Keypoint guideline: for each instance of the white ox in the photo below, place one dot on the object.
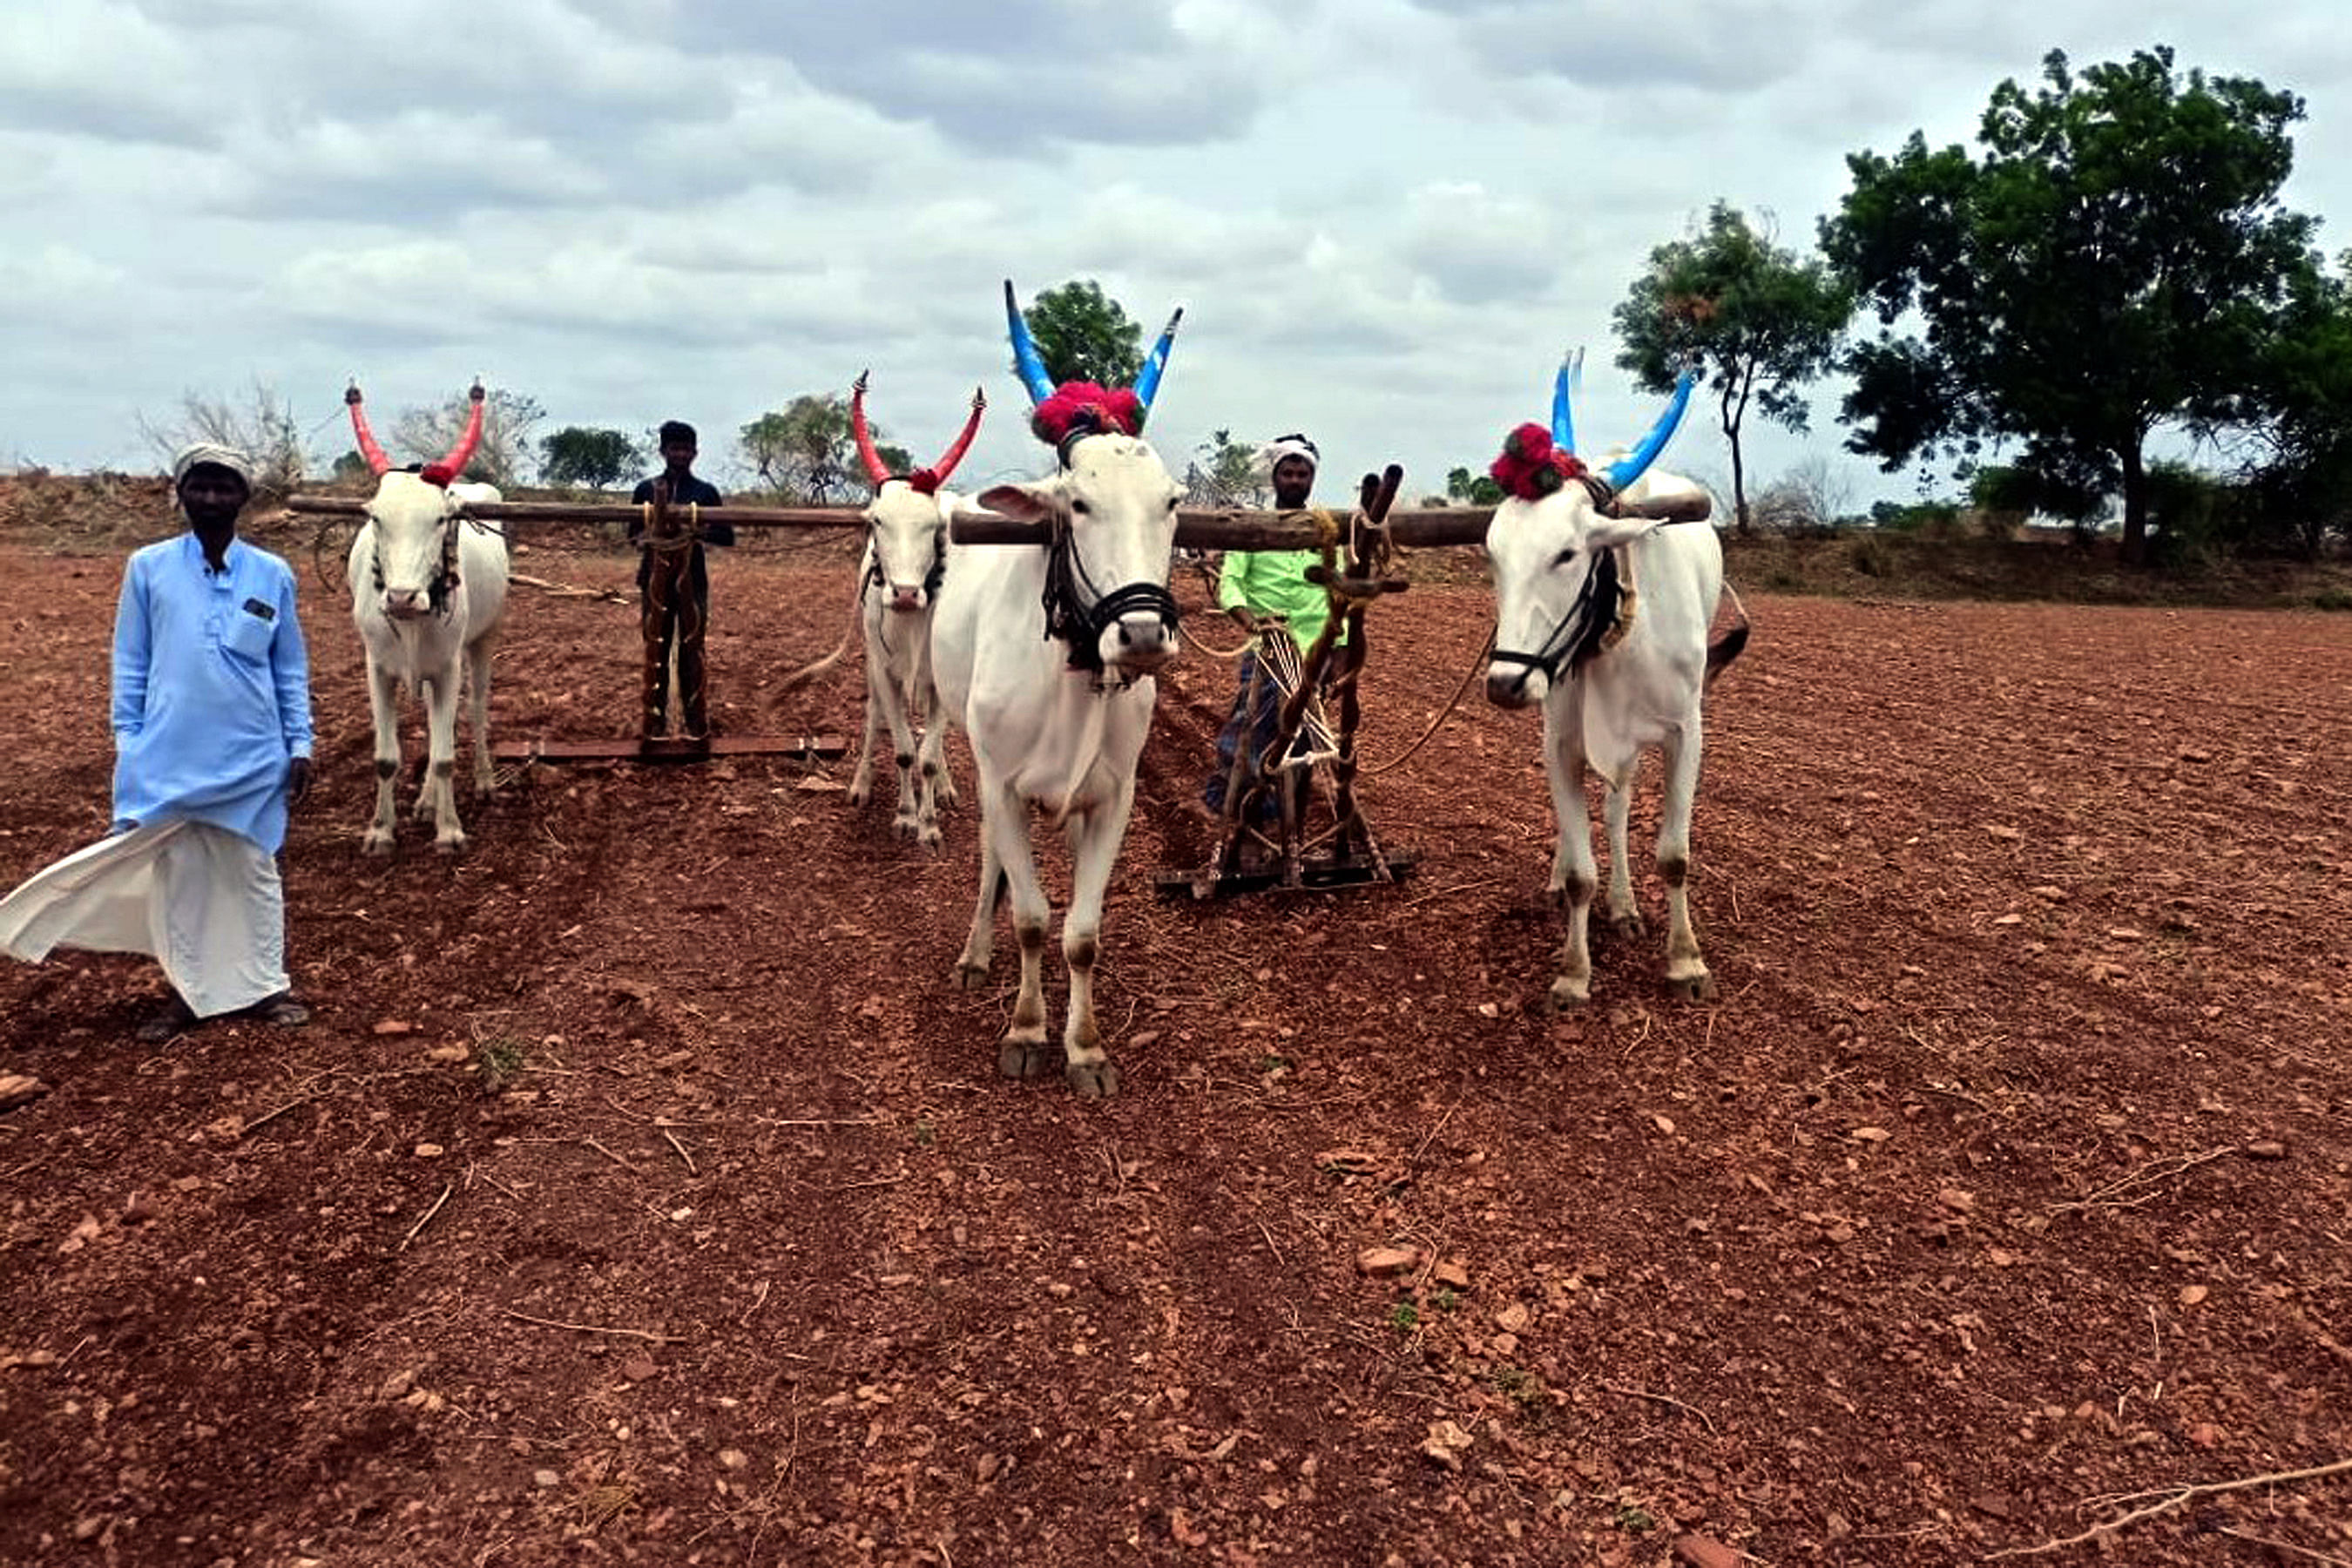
(1614, 678)
(1056, 700)
(898, 578)
(428, 592)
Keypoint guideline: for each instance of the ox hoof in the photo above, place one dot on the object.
(485, 789)
(906, 827)
(1628, 926)
(858, 795)
(970, 976)
(378, 843)
(1699, 987)
(1567, 996)
(1092, 1080)
(929, 837)
(1025, 1058)
(451, 844)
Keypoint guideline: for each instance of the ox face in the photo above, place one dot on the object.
(1113, 510)
(412, 519)
(907, 531)
(1542, 553)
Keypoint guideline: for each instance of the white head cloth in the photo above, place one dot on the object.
(1292, 445)
(214, 453)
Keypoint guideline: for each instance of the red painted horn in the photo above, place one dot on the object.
(450, 467)
(875, 470)
(378, 463)
(930, 479)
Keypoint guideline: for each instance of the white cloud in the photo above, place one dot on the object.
(1385, 218)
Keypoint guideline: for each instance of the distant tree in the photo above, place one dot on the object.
(1760, 324)
(804, 452)
(1082, 334)
(2301, 412)
(261, 424)
(1471, 489)
(595, 459)
(1226, 472)
(504, 457)
(2115, 263)
(350, 468)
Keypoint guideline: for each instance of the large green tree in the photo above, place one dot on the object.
(804, 454)
(2111, 264)
(596, 459)
(1082, 334)
(1760, 322)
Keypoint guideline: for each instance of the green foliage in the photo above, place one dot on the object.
(804, 452)
(1404, 1317)
(425, 434)
(1760, 324)
(1471, 489)
(596, 460)
(2332, 599)
(1226, 472)
(2302, 406)
(351, 468)
(1083, 334)
(2114, 262)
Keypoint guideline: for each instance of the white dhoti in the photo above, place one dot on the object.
(204, 902)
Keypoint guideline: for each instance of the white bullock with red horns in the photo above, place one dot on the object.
(428, 593)
(1044, 654)
(898, 579)
(1604, 602)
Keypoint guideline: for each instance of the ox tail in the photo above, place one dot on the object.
(1722, 650)
(807, 673)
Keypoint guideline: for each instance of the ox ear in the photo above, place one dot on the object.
(1035, 502)
(1609, 532)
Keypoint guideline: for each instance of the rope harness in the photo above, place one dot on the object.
(1078, 613)
(445, 577)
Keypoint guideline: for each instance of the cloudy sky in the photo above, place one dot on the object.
(1385, 218)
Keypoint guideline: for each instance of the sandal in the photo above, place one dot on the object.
(173, 1021)
(281, 1010)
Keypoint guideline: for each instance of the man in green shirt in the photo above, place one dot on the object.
(1256, 587)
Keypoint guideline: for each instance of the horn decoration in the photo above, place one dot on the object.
(1627, 469)
(378, 463)
(875, 470)
(1025, 358)
(929, 481)
(452, 465)
(1563, 391)
(1147, 384)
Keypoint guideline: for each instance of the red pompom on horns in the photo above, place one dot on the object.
(1079, 405)
(1531, 467)
(923, 481)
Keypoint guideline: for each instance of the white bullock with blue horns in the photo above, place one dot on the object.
(1045, 653)
(1604, 598)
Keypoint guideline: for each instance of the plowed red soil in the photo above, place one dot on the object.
(2011, 1172)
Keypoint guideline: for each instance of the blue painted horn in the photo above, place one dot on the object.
(1563, 389)
(1146, 385)
(1625, 471)
(1025, 358)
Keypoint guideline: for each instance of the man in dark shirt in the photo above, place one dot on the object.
(677, 485)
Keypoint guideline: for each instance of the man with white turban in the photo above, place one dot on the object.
(1263, 590)
(211, 715)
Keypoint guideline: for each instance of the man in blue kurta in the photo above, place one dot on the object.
(211, 716)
